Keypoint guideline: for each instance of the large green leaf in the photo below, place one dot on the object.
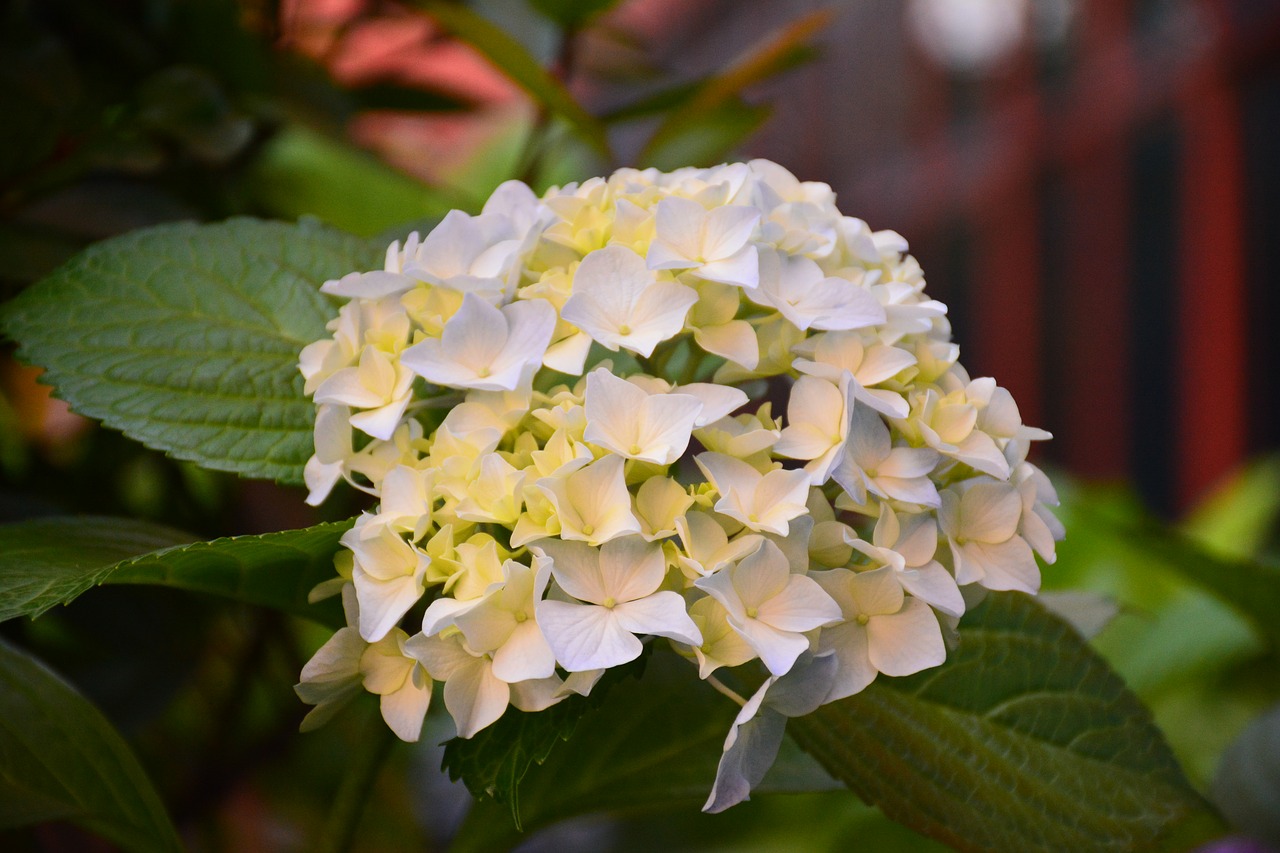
(51, 561)
(275, 570)
(511, 58)
(653, 742)
(494, 762)
(186, 337)
(1023, 740)
(61, 760)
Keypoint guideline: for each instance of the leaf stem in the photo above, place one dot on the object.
(353, 793)
(726, 690)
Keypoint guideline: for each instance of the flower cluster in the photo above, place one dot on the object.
(565, 407)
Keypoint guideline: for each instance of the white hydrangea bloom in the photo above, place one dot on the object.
(541, 533)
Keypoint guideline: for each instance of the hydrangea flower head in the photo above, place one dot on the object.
(610, 473)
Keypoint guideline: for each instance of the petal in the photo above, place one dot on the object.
(611, 404)
(742, 268)
(662, 614)
(761, 575)
(475, 698)
(778, 650)
(525, 655)
(384, 602)
(935, 585)
(726, 230)
(475, 334)
(630, 568)
(905, 642)
(718, 401)
(678, 228)
(801, 607)
(664, 425)
(989, 512)
(576, 567)
(405, 709)
(749, 752)
(876, 592)
(853, 666)
(1008, 565)
(735, 340)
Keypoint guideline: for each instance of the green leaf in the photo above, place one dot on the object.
(493, 763)
(572, 14)
(709, 138)
(652, 742)
(52, 561)
(275, 570)
(512, 59)
(186, 337)
(300, 172)
(1023, 740)
(61, 760)
(779, 53)
(1250, 586)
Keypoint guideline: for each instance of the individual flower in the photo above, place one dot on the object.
(620, 303)
(883, 630)
(618, 597)
(484, 347)
(769, 606)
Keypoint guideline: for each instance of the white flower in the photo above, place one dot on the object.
(713, 244)
(332, 677)
(406, 501)
(907, 546)
(501, 623)
(818, 416)
(707, 548)
(660, 505)
(762, 502)
(870, 463)
(618, 302)
(400, 682)
(721, 644)
(797, 288)
(623, 418)
(837, 354)
(333, 450)
(592, 504)
(884, 630)
(770, 606)
(981, 522)
(619, 583)
(484, 347)
(388, 576)
(474, 696)
(380, 384)
(468, 254)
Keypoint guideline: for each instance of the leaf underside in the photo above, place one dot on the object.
(1023, 740)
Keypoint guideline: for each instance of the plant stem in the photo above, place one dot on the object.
(726, 690)
(353, 793)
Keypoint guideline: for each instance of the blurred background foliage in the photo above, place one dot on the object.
(380, 116)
